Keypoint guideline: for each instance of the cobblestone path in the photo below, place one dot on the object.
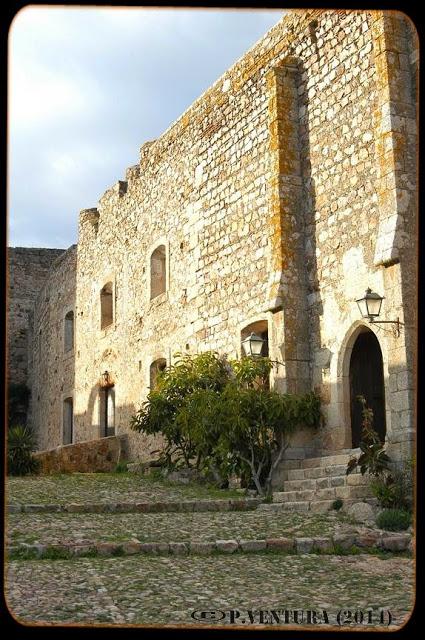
(55, 528)
(163, 590)
(104, 487)
(167, 589)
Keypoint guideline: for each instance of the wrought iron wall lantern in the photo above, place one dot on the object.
(370, 308)
(106, 380)
(253, 345)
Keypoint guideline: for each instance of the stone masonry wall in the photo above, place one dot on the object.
(28, 270)
(51, 367)
(271, 197)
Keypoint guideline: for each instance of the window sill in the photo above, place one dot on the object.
(106, 330)
(158, 300)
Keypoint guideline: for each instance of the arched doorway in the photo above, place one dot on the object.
(367, 380)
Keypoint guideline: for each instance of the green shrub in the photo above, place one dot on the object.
(220, 417)
(121, 466)
(394, 490)
(337, 504)
(394, 520)
(20, 445)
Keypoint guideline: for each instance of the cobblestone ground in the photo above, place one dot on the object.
(162, 590)
(104, 487)
(55, 528)
(165, 590)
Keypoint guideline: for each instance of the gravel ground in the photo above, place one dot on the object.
(55, 528)
(104, 487)
(163, 590)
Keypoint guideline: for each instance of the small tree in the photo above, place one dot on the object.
(220, 417)
(167, 409)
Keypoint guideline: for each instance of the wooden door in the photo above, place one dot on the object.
(367, 380)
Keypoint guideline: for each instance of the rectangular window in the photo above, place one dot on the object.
(68, 421)
(107, 412)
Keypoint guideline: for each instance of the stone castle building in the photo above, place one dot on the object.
(283, 193)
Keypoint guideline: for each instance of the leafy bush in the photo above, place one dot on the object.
(121, 466)
(373, 458)
(394, 520)
(394, 490)
(220, 417)
(20, 444)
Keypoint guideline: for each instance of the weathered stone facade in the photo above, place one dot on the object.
(28, 270)
(51, 363)
(278, 197)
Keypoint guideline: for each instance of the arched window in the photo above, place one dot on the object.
(106, 306)
(69, 331)
(156, 367)
(158, 272)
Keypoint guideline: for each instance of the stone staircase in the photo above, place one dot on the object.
(312, 484)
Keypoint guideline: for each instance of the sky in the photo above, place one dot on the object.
(87, 87)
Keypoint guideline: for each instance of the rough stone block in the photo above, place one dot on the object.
(75, 508)
(361, 512)
(226, 546)
(304, 545)
(131, 547)
(107, 548)
(368, 538)
(344, 540)
(252, 545)
(178, 548)
(296, 474)
(395, 543)
(280, 544)
(320, 506)
(202, 548)
(323, 544)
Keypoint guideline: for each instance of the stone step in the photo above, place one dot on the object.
(299, 485)
(312, 473)
(326, 482)
(286, 506)
(325, 493)
(326, 461)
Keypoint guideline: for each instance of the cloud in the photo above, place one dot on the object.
(88, 86)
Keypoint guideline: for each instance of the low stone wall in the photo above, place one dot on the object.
(372, 542)
(89, 456)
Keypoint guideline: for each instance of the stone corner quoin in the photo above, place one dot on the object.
(271, 204)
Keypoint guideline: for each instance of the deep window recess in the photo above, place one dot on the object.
(156, 367)
(106, 306)
(68, 421)
(69, 331)
(158, 272)
(107, 412)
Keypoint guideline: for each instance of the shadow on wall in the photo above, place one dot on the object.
(102, 419)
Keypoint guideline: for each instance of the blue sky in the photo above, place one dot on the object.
(88, 86)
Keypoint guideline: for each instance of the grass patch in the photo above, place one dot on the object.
(118, 552)
(23, 554)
